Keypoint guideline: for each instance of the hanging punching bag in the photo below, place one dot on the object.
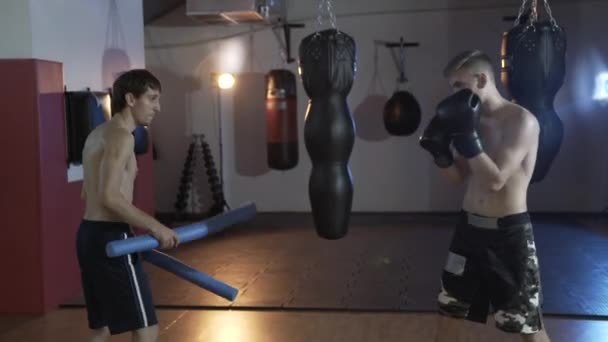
(533, 70)
(141, 139)
(328, 67)
(402, 114)
(281, 120)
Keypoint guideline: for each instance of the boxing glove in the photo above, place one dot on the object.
(436, 140)
(459, 114)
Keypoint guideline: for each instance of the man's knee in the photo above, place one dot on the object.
(525, 323)
(147, 334)
(450, 306)
(540, 336)
(100, 335)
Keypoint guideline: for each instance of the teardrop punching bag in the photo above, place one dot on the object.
(402, 114)
(533, 70)
(328, 67)
(281, 119)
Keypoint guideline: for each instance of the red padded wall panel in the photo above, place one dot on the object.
(61, 206)
(20, 255)
(40, 209)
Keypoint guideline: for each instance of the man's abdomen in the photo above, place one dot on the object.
(511, 199)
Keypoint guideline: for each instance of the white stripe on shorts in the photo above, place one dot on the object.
(141, 302)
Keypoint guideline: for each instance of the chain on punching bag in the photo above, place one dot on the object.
(281, 119)
(328, 67)
(533, 70)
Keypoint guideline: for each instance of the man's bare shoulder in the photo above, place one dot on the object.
(520, 118)
(117, 137)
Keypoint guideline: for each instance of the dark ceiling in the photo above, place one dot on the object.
(154, 9)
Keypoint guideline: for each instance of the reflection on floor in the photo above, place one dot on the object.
(295, 287)
(252, 326)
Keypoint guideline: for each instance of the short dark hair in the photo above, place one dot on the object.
(470, 59)
(136, 82)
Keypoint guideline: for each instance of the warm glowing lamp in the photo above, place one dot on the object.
(225, 81)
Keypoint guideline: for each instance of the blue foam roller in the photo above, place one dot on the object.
(185, 233)
(171, 264)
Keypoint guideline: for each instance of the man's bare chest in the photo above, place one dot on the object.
(131, 168)
(491, 139)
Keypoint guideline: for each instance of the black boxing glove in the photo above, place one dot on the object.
(459, 114)
(437, 141)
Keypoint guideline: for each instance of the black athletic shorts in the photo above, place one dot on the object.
(492, 262)
(116, 290)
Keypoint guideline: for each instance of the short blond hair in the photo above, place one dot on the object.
(473, 60)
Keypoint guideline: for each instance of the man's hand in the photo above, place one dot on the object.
(165, 236)
(436, 141)
(459, 114)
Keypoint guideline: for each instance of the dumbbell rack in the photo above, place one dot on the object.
(189, 194)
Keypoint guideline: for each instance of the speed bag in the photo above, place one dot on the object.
(402, 114)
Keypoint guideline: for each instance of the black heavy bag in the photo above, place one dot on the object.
(533, 71)
(402, 114)
(141, 139)
(281, 120)
(85, 110)
(328, 67)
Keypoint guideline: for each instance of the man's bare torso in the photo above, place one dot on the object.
(512, 198)
(92, 158)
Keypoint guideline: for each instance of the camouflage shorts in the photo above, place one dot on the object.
(493, 263)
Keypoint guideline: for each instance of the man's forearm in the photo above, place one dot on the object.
(486, 170)
(452, 174)
(457, 172)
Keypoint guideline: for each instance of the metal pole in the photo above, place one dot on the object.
(221, 147)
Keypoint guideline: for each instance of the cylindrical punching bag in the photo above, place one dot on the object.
(533, 70)
(281, 119)
(402, 114)
(328, 67)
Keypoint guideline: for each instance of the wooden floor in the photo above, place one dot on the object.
(224, 324)
(254, 326)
